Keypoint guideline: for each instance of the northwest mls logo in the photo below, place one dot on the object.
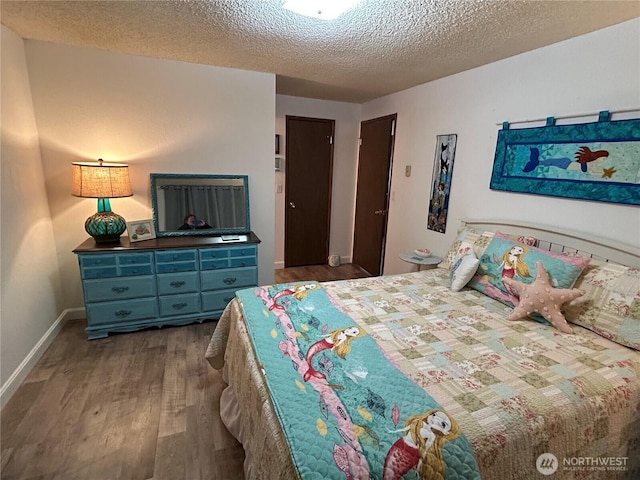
(547, 464)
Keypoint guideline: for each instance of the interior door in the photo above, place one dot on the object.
(372, 196)
(308, 173)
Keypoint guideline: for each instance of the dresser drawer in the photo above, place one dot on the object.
(129, 270)
(176, 267)
(209, 253)
(119, 288)
(99, 272)
(232, 277)
(170, 283)
(214, 264)
(212, 301)
(172, 261)
(119, 265)
(135, 258)
(250, 251)
(175, 256)
(97, 260)
(179, 304)
(121, 312)
(242, 262)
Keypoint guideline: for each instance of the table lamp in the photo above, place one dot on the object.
(102, 181)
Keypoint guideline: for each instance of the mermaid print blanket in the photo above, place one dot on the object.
(346, 410)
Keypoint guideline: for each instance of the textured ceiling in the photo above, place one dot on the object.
(377, 48)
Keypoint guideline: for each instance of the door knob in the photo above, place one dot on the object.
(380, 212)
(292, 205)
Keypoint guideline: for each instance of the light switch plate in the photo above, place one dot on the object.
(407, 171)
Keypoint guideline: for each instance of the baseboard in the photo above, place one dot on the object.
(279, 265)
(20, 373)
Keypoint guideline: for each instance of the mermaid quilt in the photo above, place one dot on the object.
(345, 409)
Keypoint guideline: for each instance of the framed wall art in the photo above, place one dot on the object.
(441, 182)
(597, 161)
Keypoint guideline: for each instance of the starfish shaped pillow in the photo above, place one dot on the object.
(540, 296)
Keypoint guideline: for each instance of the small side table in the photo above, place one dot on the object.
(431, 261)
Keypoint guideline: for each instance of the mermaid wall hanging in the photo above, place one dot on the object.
(597, 161)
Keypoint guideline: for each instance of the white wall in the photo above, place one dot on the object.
(157, 116)
(345, 154)
(31, 297)
(597, 71)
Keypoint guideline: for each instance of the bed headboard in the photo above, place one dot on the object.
(560, 241)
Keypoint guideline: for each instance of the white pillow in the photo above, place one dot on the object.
(462, 271)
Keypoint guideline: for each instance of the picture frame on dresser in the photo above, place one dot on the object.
(139, 230)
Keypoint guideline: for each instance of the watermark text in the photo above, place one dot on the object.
(548, 464)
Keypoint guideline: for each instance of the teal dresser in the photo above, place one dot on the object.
(164, 281)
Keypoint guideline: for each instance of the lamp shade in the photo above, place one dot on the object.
(101, 180)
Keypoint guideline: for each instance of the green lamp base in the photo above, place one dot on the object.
(105, 226)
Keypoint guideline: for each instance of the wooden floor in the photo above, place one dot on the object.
(321, 273)
(137, 406)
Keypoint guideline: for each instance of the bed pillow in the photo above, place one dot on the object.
(471, 240)
(462, 271)
(610, 306)
(506, 257)
(542, 299)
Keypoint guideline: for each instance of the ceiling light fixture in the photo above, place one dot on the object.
(322, 9)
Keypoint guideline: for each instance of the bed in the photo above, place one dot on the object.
(512, 398)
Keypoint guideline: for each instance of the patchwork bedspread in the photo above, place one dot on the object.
(516, 389)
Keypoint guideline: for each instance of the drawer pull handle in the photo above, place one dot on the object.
(177, 284)
(178, 306)
(228, 299)
(123, 313)
(230, 280)
(119, 289)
